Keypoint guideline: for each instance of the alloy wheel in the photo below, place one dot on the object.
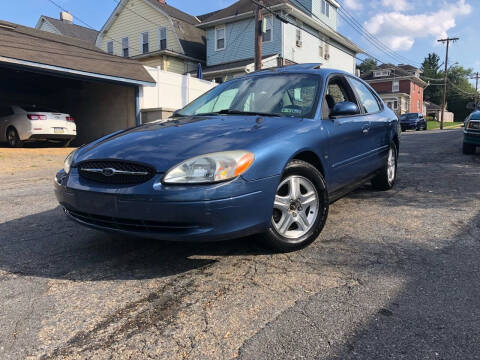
(295, 207)
(391, 165)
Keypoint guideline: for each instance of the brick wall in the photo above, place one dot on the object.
(405, 86)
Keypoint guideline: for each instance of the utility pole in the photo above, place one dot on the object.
(444, 98)
(476, 77)
(258, 34)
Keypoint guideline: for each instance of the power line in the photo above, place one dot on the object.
(87, 25)
(373, 39)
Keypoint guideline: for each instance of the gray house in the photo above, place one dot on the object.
(65, 26)
(311, 36)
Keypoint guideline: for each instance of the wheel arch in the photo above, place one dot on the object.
(310, 157)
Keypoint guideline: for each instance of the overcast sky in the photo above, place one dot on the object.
(410, 27)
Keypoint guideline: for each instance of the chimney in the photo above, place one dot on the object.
(66, 17)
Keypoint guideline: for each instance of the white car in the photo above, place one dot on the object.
(31, 123)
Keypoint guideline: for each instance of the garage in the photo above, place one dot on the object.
(100, 91)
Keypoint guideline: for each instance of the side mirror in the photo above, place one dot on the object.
(345, 108)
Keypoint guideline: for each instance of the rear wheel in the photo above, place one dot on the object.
(300, 208)
(388, 174)
(469, 148)
(13, 138)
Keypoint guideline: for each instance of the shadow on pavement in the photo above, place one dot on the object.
(423, 304)
(49, 245)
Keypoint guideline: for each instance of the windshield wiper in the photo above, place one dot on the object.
(240, 112)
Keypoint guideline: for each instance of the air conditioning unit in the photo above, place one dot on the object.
(299, 43)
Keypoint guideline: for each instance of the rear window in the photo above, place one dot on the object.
(33, 108)
(408, 116)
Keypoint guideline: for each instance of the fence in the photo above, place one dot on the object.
(173, 91)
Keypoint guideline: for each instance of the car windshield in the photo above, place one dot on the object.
(408, 116)
(475, 116)
(292, 95)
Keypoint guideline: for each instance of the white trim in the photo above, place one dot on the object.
(73, 71)
(224, 37)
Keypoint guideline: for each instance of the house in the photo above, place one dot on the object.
(65, 26)
(99, 90)
(400, 87)
(154, 33)
(310, 37)
(434, 111)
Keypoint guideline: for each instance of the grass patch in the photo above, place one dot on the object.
(432, 125)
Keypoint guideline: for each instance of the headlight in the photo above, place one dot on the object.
(68, 161)
(210, 168)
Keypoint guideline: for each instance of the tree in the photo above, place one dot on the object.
(459, 90)
(431, 68)
(367, 65)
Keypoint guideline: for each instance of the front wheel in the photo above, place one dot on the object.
(388, 173)
(300, 208)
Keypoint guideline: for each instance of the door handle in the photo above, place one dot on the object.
(365, 129)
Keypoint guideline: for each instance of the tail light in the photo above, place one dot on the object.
(37, 117)
(69, 118)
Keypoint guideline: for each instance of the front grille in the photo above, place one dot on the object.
(115, 172)
(128, 224)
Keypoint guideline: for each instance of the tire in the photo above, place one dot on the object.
(385, 180)
(13, 139)
(298, 216)
(469, 149)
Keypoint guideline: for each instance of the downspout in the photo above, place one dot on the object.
(138, 113)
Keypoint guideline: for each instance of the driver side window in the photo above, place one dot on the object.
(338, 90)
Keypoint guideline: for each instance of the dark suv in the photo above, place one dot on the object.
(413, 121)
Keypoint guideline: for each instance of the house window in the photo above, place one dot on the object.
(162, 35)
(220, 38)
(320, 51)
(145, 47)
(125, 51)
(418, 105)
(381, 73)
(327, 7)
(324, 6)
(395, 105)
(268, 28)
(110, 47)
(395, 86)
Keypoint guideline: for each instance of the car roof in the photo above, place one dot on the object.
(309, 68)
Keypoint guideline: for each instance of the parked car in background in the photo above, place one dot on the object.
(19, 124)
(412, 121)
(263, 154)
(471, 133)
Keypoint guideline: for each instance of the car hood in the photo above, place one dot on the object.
(163, 144)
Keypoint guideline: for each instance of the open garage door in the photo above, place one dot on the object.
(99, 108)
(100, 91)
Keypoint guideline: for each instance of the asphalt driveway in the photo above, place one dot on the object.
(393, 275)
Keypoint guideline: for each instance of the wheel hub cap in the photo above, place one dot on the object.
(295, 208)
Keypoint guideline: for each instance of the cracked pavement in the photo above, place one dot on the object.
(393, 275)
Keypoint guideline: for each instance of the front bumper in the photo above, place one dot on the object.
(171, 213)
(408, 126)
(470, 137)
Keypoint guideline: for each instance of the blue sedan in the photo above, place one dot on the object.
(263, 154)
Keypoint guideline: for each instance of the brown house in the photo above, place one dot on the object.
(399, 86)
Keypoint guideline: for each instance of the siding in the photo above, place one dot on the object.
(310, 52)
(315, 7)
(129, 24)
(240, 42)
(46, 26)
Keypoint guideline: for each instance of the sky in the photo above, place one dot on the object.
(408, 27)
